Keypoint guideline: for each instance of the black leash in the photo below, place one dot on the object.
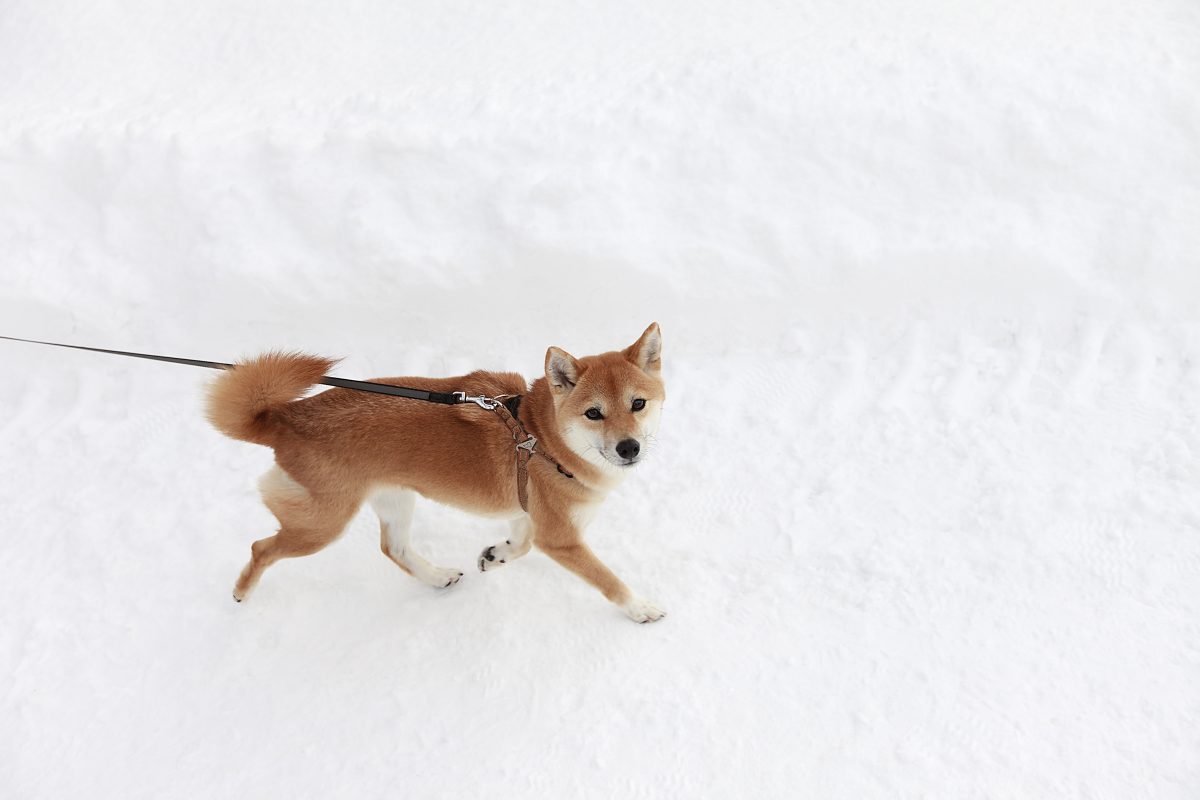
(446, 398)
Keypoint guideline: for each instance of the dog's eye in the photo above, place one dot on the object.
(593, 413)
(639, 404)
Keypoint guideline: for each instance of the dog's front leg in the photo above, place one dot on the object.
(562, 542)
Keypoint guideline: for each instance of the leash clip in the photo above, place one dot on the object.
(479, 400)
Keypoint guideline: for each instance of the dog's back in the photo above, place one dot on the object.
(344, 442)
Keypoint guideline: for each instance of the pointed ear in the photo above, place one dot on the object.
(646, 352)
(562, 370)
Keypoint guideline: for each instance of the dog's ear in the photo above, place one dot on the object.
(646, 352)
(562, 370)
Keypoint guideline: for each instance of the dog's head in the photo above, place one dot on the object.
(608, 406)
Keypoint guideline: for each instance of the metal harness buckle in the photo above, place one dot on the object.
(483, 402)
(528, 444)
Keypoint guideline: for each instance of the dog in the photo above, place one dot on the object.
(340, 448)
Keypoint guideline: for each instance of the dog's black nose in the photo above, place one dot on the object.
(628, 448)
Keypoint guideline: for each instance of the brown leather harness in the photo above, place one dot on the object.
(507, 407)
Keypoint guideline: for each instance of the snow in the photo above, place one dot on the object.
(924, 508)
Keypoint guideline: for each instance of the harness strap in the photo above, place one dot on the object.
(526, 446)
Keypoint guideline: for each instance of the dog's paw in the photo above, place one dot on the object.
(439, 577)
(452, 576)
(492, 557)
(640, 610)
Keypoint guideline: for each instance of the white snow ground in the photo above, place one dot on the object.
(924, 510)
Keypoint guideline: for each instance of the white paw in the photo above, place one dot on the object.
(489, 559)
(640, 610)
(439, 577)
(497, 555)
(448, 577)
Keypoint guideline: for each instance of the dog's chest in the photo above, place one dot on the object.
(582, 514)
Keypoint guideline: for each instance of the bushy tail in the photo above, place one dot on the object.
(242, 402)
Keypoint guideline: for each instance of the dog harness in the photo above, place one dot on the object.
(508, 408)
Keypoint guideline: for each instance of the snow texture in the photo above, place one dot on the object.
(924, 507)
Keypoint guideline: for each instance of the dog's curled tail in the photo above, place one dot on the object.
(242, 402)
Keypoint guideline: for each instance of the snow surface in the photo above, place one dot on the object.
(925, 504)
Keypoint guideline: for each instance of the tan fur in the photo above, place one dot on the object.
(337, 448)
(241, 402)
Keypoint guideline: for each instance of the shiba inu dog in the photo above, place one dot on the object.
(340, 448)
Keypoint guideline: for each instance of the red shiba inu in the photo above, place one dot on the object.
(339, 448)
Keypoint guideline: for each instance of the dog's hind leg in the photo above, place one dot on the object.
(287, 543)
(517, 545)
(395, 510)
(307, 525)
